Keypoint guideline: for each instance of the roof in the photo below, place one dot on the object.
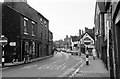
(90, 34)
(25, 9)
(74, 38)
(101, 5)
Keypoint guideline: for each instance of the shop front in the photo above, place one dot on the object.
(28, 47)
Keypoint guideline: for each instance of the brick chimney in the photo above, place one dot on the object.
(15, 1)
(79, 32)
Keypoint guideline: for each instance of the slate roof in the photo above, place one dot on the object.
(74, 38)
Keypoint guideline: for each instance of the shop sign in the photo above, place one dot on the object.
(12, 43)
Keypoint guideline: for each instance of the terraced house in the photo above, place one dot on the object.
(26, 29)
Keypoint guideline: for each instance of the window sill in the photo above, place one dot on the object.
(33, 35)
(25, 33)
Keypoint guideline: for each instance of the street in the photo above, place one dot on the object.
(55, 66)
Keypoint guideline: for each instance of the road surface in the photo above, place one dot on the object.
(55, 66)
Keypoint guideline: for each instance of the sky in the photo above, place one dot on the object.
(66, 17)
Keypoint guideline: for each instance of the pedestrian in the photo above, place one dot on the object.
(14, 57)
(94, 53)
(87, 57)
(26, 57)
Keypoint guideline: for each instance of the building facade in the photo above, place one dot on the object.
(50, 48)
(26, 29)
(0, 28)
(87, 41)
(108, 20)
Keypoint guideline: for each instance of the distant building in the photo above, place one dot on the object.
(87, 41)
(75, 42)
(67, 42)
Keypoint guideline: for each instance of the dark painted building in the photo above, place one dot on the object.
(26, 29)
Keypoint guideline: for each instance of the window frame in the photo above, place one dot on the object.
(25, 21)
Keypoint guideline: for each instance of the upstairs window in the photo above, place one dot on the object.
(25, 25)
(45, 23)
(33, 28)
(41, 20)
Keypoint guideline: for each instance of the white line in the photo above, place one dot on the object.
(77, 69)
(27, 67)
(75, 65)
(42, 67)
(53, 67)
(46, 66)
(63, 67)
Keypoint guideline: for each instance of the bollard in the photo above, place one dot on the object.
(87, 59)
(3, 60)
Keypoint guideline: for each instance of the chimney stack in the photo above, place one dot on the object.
(79, 32)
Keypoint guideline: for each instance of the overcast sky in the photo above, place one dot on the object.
(66, 17)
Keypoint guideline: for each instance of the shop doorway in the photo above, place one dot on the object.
(22, 50)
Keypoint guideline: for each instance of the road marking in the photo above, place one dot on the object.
(53, 67)
(42, 66)
(76, 64)
(60, 66)
(27, 67)
(63, 67)
(78, 69)
(47, 65)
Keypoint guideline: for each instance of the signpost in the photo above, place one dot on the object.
(3, 42)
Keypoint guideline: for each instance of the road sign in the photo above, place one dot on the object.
(3, 40)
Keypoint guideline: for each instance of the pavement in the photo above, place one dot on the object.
(20, 63)
(95, 70)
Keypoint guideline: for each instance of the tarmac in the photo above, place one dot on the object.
(95, 70)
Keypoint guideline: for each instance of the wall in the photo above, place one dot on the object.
(0, 30)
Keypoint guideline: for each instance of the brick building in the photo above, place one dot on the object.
(26, 29)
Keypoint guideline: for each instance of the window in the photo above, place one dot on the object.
(33, 28)
(45, 33)
(45, 23)
(40, 19)
(25, 25)
(41, 33)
